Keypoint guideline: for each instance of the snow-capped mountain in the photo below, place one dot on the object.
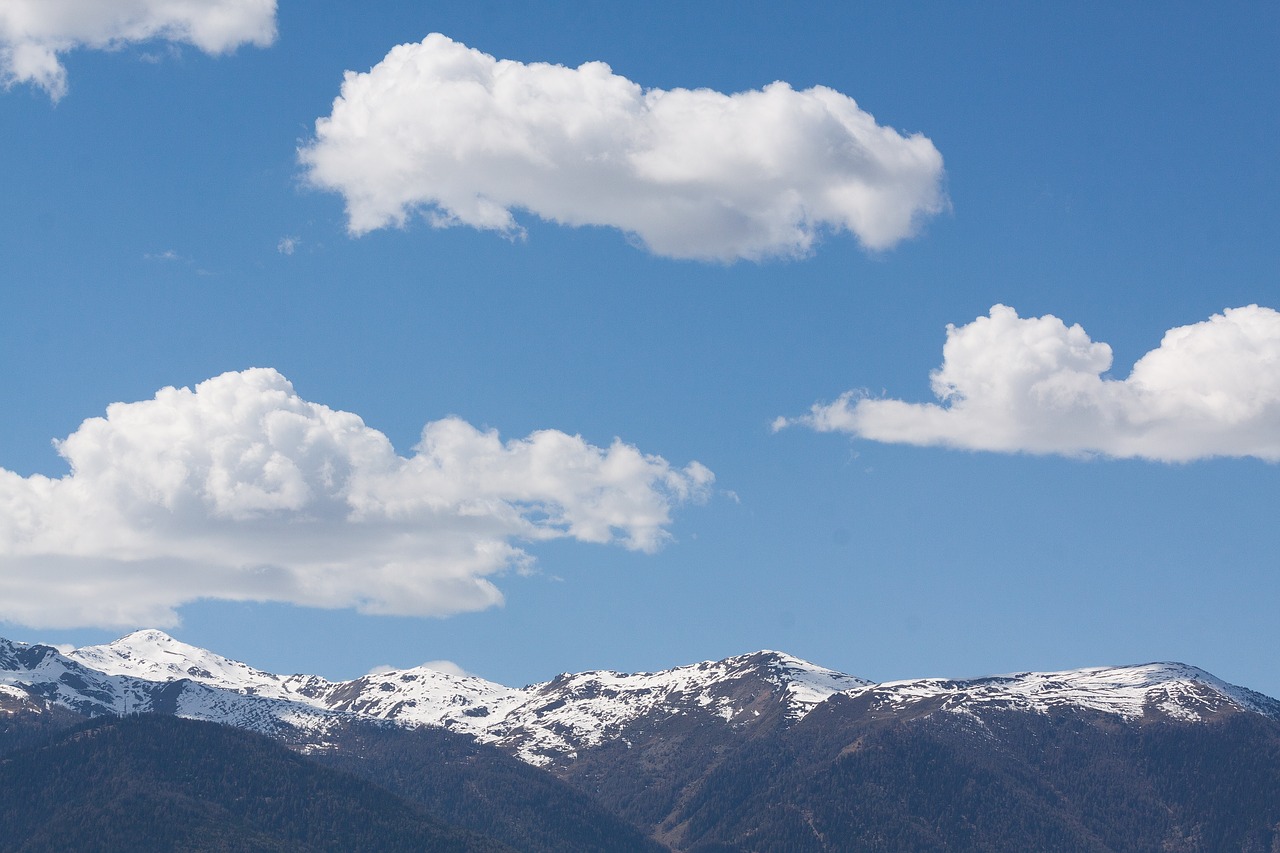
(551, 723)
(150, 671)
(755, 752)
(1172, 690)
(572, 712)
(417, 696)
(166, 678)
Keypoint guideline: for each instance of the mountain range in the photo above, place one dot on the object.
(761, 751)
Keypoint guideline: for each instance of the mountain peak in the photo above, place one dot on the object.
(145, 635)
(805, 684)
(153, 655)
(1169, 689)
(552, 722)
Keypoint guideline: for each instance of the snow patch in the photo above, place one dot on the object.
(149, 671)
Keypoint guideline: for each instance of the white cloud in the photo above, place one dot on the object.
(440, 128)
(1036, 385)
(241, 490)
(287, 245)
(33, 33)
(448, 667)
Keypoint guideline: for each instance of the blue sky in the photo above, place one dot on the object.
(1115, 168)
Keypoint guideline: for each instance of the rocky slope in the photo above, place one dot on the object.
(756, 752)
(553, 722)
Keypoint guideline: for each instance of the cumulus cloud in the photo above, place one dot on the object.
(33, 33)
(467, 139)
(239, 489)
(448, 667)
(1036, 385)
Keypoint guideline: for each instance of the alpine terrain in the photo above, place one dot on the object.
(762, 751)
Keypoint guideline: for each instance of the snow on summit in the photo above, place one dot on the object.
(580, 710)
(155, 656)
(149, 671)
(418, 696)
(1174, 689)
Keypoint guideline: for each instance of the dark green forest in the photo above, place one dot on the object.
(160, 783)
(476, 786)
(840, 779)
(1074, 783)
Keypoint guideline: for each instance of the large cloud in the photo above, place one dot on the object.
(241, 490)
(34, 32)
(448, 130)
(1036, 386)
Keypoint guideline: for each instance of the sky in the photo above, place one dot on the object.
(531, 338)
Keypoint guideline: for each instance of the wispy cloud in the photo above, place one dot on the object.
(166, 255)
(448, 667)
(34, 33)
(239, 489)
(1036, 385)
(468, 139)
(287, 245)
